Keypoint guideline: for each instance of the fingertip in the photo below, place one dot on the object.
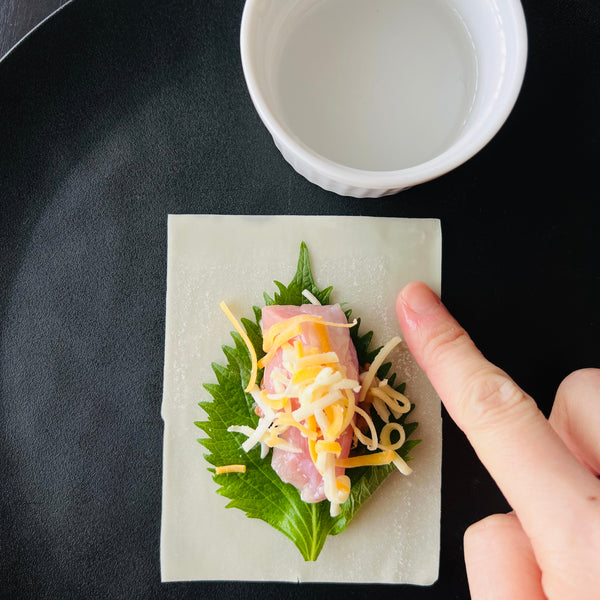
(500, 561)
(587, 378)
(575, 416)
(485, 531)
(577, 385)
(418, 297)
(414, 302)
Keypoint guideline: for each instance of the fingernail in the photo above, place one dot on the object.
(419, 298)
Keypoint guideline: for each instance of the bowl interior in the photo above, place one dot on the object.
(384, 86)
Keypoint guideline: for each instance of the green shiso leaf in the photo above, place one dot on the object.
(303, 280)
(259, 492)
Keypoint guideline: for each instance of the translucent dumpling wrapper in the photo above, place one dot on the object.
(395, 536)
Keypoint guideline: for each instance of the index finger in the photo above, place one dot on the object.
(540, 478)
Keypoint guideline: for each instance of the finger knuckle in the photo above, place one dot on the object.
(489, 398)
(444, 342)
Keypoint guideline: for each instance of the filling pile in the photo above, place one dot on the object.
(314, 402)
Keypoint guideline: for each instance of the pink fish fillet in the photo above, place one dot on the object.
(298, 468)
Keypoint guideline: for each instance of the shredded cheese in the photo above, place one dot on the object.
(278, 341)
(326, 403)
(282, 332)
(254, 370)
(367, 460)
(230, 469)
(385, 442)
(372, 372)
(401, 465)
(311, 297)
(332, 447)
(371, 444)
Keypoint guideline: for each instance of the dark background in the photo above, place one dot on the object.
(115, 113)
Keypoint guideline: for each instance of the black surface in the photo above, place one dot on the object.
(19, 17)
(117, 112)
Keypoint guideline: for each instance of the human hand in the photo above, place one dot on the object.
(549, 546)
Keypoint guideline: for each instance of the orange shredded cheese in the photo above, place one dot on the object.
(326, 404)
(367, 460)
(246, 339)
(230, 469)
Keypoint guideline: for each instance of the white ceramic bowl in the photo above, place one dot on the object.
(366, 98)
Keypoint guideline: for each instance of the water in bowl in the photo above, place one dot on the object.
(377, 84)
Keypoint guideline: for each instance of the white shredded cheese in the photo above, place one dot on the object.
(311, 297)
(372, 372)
(326, 406)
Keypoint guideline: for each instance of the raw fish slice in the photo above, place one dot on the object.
(298, 468)
(339, 337)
